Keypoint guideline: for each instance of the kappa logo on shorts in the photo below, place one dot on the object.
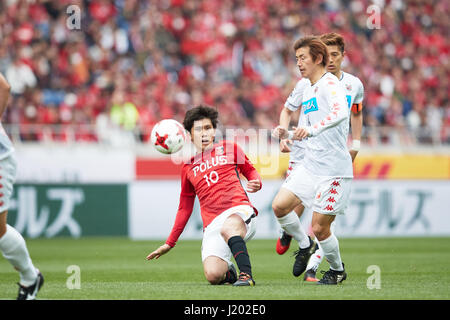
(335, 183)
(329, 208)
(331, 199)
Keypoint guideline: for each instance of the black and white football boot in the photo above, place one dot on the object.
(29, 293)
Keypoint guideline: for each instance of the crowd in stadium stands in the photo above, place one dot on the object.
(131, 63)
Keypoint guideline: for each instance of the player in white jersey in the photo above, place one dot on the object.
(354, 94)
(12, 244)
(295, 148)
(322, 181)
(354, 91)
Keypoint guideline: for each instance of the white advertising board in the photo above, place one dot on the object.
(74, 164)
(376, 208)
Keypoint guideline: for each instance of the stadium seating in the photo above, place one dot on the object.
(165, 56)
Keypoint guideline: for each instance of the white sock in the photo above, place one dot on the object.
(291, 224)
(14, 249)
(330, 247)
(316, 259)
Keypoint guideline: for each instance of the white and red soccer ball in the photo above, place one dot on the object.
(168, 136)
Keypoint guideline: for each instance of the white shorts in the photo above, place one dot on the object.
(323, 194)
(8, 167)
(291, 168)
(213, 243)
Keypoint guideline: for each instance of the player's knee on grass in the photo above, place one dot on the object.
(214, 269)
(214, 276)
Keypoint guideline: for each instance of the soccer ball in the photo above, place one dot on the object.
(168, 136)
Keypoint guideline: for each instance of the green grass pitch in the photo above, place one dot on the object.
(115, 268)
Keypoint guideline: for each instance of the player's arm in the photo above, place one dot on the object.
(292, 104)
(245, 166)
(356, 120)
(295, 116)
(285, 119)
(5, 88)
(187, 199)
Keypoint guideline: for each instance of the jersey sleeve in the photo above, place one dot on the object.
(335, 97)
(357, 103)
(187, 189)
(294, 101)
(187, 199)
(245, 166)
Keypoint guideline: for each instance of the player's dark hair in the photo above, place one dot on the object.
(198, 113)
(333, 39)
(316, 48)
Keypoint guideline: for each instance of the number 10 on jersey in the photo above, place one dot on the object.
(213, 177)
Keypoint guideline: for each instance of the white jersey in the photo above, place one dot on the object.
(326, 116)
(293, 103)
(354, 93)
(353, 87)
(6, 146)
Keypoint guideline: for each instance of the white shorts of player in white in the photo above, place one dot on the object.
(306, 217)
(325, 195)
(291, 168)
(8, 167)
(213, 243)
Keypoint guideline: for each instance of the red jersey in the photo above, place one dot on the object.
(213, 176)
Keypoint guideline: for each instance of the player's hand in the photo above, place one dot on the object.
(353, 154)
(300, 133)
(280, 133)
(159, 252)
(284, 145)
(253, 186)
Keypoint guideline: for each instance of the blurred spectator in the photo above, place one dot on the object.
(165, 56)
(20, 76)
(124, 114)
(434, 120)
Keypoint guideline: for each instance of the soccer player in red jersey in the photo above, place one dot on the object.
(227, 213)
